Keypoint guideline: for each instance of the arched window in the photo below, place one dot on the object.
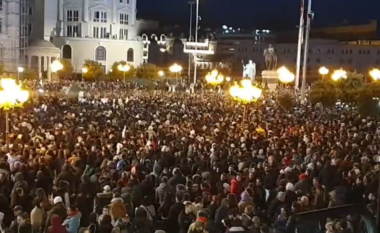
(100, 54)
(66, 52)
(130, 55)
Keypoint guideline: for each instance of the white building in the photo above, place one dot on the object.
(102, 30)
(13, 33)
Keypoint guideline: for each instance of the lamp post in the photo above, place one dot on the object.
(56, 66)
(339, 74)
(245, 93)
(196, 40)
(214, 77)
(19, 70)
(175, 68)
(323, 71)
(190, 29)
(84, 71)
(11, 96)
(123, 68)
(375, 74)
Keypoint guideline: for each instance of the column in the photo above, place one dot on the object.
(48, 59)
(29, 61)
(60, 10)
(85, 11)
(39, 67)
(114, 11)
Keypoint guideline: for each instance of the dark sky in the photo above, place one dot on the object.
(259, 13)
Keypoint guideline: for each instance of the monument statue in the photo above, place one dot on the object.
(249, 70)
(270, 58)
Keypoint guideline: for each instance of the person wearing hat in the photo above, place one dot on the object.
(17, 210)
(58, 209)
(103, 199)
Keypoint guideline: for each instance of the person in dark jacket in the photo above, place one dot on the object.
(174, 212)
(58, 209)
(177, 178)
(105, 225)
(186, 218)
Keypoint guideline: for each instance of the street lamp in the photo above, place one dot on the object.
(284, 75)
(245, 93)
(161, 73)
(56, 66)
(11, 96)
(323, 71)
(175, 68)
(214, 77)
(228, 79)
(123, 68)
(339, 74)
(19, 70)
(375, 74)
(84, 71)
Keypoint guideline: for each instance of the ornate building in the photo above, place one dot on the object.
(102, 30)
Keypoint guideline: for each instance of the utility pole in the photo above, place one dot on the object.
(306, 51)
(300, 42)
(196, 41)
(191, 25)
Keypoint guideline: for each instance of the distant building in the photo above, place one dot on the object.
(13, 33)
(79, 30)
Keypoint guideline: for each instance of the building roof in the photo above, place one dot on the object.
(41, 43)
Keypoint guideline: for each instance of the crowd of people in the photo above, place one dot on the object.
(127, 160)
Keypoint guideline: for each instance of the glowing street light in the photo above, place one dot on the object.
(19, 70)
(375, 74)
(175, 68)
(323, 71)
(84, 71)
(161, 73)
(339, 74)
(214, 77)
(228, 79)
(56, 66)
(123, 68)
(284, 75)
(11, 96)
(245, 93)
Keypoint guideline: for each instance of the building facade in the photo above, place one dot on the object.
(102, 30)
(13, 33)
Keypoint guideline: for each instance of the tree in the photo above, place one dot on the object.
(324, 92)
(286, 100)
(67, 70)
(95, 70)
(368, 99)
(149, 71)
(348, 89)
(29, 74)
(117, 74)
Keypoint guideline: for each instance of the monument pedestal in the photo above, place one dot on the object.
(270, 77)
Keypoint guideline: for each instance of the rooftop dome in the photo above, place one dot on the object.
(41, 43)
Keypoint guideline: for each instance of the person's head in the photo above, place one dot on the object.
(284, 212)
(238, 177)
(22, 217)
(38, 202)
(106, 220)
(105, 211)
(248, 209)
(72, 209)
(17, 210)
(19, 192)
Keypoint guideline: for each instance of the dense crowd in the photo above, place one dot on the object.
(124, 159)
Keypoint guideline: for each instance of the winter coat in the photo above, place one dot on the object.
(56, 225)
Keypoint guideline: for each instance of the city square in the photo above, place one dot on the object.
(129, 117)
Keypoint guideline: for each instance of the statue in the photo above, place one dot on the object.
(249, 70)
(270, 58)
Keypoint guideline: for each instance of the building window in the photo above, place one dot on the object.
(130, 55)
(123, 34)
(100, 16)
(103, 17)
(360, 51)
(1, 5)
(349, 61)
(103, 32)
(72, 16)
(124, 19)
(1, 26)
(318, 60)
(72, 31)
(95, 32)
(100, 53)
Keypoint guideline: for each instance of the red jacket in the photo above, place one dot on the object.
(236, 187)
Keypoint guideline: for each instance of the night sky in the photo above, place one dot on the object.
(259, 13)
